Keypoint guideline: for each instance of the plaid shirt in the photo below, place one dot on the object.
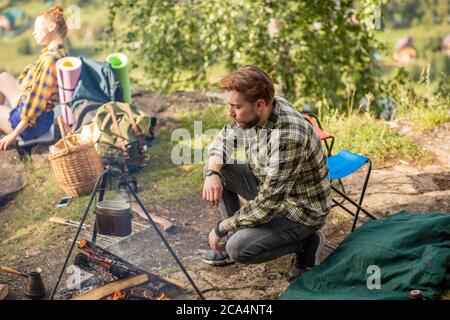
(38, 84)
(294, 174)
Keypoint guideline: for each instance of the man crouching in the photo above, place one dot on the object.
(284, 179)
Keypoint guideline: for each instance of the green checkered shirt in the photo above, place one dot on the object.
(286, 155)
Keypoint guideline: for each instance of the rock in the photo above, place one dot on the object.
(32, 252)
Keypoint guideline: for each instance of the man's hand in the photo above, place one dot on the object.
(212, 189)
(7, 140)
(214, 241)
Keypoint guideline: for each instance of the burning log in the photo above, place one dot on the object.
(92, 257)
(113, 287)
(137, 293)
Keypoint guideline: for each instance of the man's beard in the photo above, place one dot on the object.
(248, 124)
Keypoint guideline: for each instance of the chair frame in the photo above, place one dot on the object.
(343, 193)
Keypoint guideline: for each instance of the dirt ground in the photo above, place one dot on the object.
(399, 186)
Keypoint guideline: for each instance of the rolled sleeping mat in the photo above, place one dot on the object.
(68, 74)
(119, 62)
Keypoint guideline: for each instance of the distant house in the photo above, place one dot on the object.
(445, 45)
(404, 51)
(7, 21)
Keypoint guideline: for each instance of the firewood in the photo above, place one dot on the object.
(3, 291)
(112, 287)
(114, 264)
(92, 257)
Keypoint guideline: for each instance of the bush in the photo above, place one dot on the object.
(314, 50)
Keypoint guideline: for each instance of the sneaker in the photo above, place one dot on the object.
(217, 258)
(312, 252)
(309, 257)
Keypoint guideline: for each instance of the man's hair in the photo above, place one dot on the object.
(56, 15)
(252, 82)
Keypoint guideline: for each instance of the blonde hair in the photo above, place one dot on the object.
(56, 15)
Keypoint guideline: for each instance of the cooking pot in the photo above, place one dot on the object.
(35, 286)
(113, 218)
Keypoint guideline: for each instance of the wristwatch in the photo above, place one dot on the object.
(210, 172)
(218, 232)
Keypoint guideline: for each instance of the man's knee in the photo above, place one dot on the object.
(238, 250)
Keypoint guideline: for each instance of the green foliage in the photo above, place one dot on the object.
(315, 51)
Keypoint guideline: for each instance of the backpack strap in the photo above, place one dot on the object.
(121, 138)
(138, 134)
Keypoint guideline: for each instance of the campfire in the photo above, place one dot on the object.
(117, 279)
(117, 296)
(135, 294)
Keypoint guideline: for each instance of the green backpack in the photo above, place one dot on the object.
(123, 130)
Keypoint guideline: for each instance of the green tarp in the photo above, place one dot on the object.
(383, 259)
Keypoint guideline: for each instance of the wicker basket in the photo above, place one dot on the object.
(75, 162)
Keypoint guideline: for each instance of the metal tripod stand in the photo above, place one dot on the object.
(100, 186)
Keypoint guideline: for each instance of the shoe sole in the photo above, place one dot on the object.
(319, 248)
(218, 262)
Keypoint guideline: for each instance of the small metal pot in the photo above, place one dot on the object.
(113, 218)
(35, 286)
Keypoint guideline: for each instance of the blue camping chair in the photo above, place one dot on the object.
(341, 165)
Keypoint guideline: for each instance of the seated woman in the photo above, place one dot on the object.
(34, 95)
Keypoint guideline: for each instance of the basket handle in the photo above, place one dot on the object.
(63, 127)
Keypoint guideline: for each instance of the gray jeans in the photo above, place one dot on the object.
(278, 237)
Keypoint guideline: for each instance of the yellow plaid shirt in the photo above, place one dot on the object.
(294, 176)
(38, 84)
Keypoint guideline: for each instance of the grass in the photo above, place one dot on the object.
(366, 135)
(25, 222)
(421, 106)
(424, 120)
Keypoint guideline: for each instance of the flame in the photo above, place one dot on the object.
(82, 244)
(117, 295)
(162, 297)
